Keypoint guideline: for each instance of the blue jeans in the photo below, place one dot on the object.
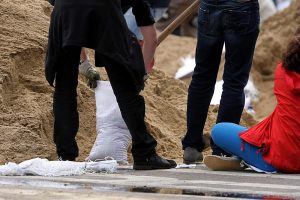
(226, 136)
(132, 25)
(237, 25)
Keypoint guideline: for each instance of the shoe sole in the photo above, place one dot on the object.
(144, 167)
(217, 163)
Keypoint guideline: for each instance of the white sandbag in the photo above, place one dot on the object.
(113, 137)
(44, 167)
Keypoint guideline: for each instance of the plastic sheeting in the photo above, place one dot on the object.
(44, 167)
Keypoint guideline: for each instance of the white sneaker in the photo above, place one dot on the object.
(223, 163)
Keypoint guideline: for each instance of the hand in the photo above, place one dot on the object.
(91, 74)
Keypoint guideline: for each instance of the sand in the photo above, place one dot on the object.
(26, 118)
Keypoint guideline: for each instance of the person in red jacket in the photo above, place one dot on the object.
(273, 144)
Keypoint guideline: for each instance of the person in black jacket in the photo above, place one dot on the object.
(99, 25)
(140, 22)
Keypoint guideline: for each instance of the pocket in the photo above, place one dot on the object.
(237, 21)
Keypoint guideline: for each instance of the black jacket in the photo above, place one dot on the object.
(140, 9)
(95, 24)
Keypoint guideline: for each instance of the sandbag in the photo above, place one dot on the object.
(113, 137)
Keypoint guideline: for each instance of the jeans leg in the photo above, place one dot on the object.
(132, 107)
(239, 54)
(226, 136)
(208, 55)
(240, 40)
(66, 120)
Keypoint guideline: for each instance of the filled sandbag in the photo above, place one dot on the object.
(113, 137)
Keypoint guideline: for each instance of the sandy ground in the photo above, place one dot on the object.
(26, 118)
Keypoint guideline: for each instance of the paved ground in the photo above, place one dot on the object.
(174, 184)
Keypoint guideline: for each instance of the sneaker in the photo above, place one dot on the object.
(153, 162)
(192, 156)
(89, 71)
(224, 163)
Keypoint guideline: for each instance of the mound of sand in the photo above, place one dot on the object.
(274, 37)
(26, 118)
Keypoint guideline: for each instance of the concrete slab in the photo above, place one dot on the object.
(158, 184)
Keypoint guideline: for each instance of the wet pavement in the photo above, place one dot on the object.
(198, 183)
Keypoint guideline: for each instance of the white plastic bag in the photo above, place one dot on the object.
(44, 167)
(11, 169)
(113, 137)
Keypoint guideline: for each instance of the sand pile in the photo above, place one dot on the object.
(274, 36)
(26, 118)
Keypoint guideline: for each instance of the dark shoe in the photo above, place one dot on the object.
(153, 162)
(224, 163)
(192, 156)
(172, 162)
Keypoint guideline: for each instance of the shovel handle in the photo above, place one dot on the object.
(178, 21)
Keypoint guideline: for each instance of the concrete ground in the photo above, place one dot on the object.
(197, 183)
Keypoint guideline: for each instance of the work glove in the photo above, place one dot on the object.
(90, 73)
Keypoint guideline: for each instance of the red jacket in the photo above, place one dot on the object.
(279, 134)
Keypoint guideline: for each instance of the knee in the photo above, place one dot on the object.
(218, 132)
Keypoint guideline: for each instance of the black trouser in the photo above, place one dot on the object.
(131, 104)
